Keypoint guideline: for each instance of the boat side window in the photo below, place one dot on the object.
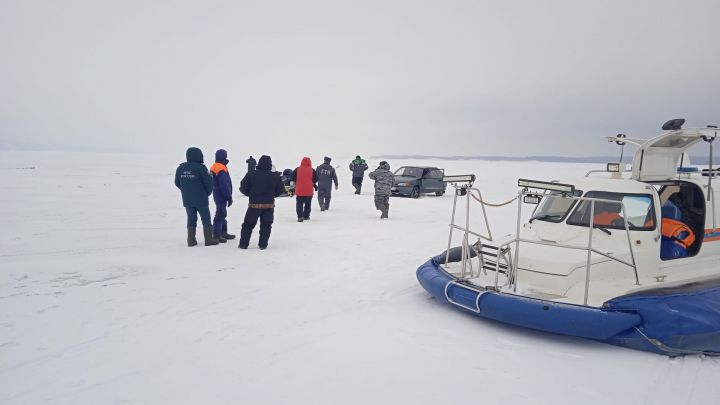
(638, 208)
(554, 208)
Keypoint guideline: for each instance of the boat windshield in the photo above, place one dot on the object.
(410, 172)
(554, 209)
(638, 208)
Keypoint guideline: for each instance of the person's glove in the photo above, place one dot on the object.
(229, 203)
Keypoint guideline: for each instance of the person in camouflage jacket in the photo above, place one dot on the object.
(384, 180)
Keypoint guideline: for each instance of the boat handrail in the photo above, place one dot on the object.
(603, 171)
(466, 191)
(589, 248)
(512, 263)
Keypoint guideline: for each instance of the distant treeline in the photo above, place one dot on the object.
(697, 160)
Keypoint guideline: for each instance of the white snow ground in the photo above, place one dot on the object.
(101, 302)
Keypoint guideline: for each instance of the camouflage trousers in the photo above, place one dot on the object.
(382, 203)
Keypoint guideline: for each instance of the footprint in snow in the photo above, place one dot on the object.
(42, 311)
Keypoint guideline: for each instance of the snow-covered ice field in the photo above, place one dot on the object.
(101, 301)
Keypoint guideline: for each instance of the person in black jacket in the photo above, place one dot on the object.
(195, 183)
(262, 185)
(251, 163)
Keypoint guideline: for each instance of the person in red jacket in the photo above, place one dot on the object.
(305, 179)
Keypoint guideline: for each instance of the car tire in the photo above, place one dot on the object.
(415, 193)
(439, 193)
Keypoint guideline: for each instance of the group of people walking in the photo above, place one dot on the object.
(262, 184)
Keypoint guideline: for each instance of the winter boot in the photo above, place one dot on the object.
(220, 238)
(208, 234)
(191, 236)
(225, 234)
(300, 219)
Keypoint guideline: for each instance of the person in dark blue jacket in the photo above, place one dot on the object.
(326, 176)
(222, 194)
(262, 185)
(196, 185)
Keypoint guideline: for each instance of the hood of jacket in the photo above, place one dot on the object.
(221, 156)
(327, 160)
(194, 155)
(265, 163)
(306, 162)
(384, 165)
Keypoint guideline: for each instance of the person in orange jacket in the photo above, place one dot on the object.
(222, 194)
(305, 178)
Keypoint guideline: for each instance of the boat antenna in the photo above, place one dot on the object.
(710, 139)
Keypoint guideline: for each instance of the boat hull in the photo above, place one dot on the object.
(647, 321)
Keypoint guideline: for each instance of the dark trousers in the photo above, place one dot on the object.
(219, 222)
(357, 183)
(303, 205)
(266, 216)
(382, 203)
(192, 214)
(324, 197)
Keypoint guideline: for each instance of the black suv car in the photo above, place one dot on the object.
(415, 180)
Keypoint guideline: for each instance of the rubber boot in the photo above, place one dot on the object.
(300, 219)
(191, 236)
(208, 234)
(220, 238)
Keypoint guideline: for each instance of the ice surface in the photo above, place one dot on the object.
(101, 302)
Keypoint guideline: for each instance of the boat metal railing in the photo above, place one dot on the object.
(511, 257)
(605, 172)
(465, 191)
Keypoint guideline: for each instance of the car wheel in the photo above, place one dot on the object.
(439, 193)
(415, 193)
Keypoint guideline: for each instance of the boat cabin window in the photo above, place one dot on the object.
(554, 209)
(638, 208)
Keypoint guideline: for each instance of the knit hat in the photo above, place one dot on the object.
(221, 156)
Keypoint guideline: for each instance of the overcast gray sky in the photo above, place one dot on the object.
(341, 78)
